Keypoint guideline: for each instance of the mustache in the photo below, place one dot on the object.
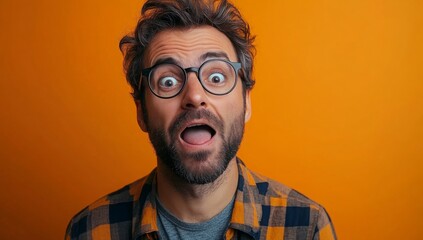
(186, 116)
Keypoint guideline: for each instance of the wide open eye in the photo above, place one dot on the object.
(168, 83)
(216, 78)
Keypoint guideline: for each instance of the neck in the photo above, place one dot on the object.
(196, 202)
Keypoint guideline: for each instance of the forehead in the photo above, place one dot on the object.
(188, 46)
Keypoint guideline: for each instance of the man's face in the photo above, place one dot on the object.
(195, 134)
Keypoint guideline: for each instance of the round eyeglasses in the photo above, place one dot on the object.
(217, 76)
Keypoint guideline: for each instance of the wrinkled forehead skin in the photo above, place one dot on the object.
(188, 46)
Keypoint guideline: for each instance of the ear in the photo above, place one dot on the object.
(140, 116)
(247, 105)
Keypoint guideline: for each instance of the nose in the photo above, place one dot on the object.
(194, 95)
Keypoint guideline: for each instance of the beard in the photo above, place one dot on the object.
(168, 153)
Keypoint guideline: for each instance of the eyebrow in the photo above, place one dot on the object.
(202, 58)
(166, 60)
(208, 55)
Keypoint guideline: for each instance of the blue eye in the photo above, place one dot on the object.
(216, 78)
(168, 82)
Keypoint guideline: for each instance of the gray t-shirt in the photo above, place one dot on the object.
(173, 229)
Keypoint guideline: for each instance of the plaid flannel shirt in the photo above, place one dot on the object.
(263, 209)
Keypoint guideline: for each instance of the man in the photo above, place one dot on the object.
(189, 63)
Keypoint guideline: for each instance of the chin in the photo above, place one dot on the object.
(201, 169)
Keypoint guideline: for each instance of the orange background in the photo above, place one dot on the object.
(337, 110)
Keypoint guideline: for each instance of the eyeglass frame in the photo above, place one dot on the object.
(236, 66)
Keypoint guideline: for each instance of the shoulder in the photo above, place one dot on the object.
(286, 195)
(114, 207)
(285, 206)
(273, 190)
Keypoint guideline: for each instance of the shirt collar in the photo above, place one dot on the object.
(245, 214)
(248, 203)
(144, 214)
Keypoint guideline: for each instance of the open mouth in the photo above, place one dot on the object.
(198, 134)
